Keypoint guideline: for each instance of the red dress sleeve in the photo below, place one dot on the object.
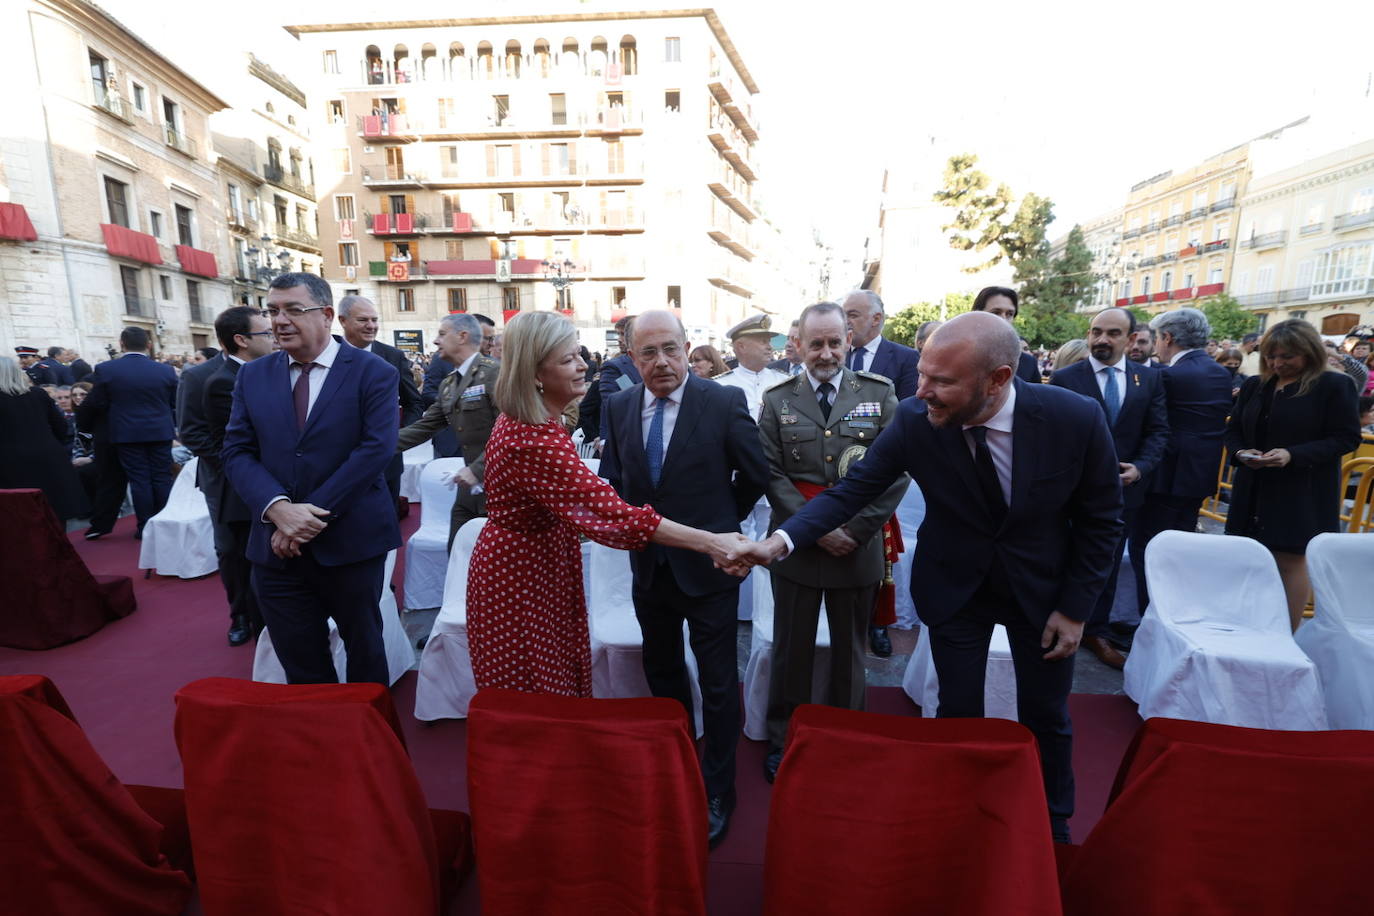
(553, 475)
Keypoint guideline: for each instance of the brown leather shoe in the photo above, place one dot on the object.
(1106, 653)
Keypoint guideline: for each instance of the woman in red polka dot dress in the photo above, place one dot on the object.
(527, 616)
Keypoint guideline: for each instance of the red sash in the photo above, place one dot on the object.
(885, 608)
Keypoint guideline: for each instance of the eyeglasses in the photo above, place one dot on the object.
(670, 351)
(290, 311)
(257, 333)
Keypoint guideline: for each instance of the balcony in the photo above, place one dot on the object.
(1226, 204)
(394, 223)
(1168, 256)
(113, 105)
(1131, 234)
(1196, 213)
(735, 199)
(1348, 221)
(1216, 245)
(445, 222)
(1210, 289)
(287, 181)
(722, 86)
(1310, 228)
(1273, 297)
(240, 222)
(140, 306)
(392, 176)
(1175, 220)
(384, 126)
(297, 238)
(1267, 240)
(1162, 296)
(1147, 262)
(200, 315)
(730, 143)
(180, 142)
(1152, 227)
(1191, 251)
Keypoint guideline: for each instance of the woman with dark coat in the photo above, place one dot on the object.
(1291, 425)
(35, 450)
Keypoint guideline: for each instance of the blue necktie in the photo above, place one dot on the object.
(654, 447)
(856, 358)
(1111, 396)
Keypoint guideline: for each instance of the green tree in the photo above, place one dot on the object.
(901, 327)
(979, 215)
(1228, 317)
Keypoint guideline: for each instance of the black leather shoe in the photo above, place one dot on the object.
(771, 763)
(718, 811)
(879, 642)
(239, 631)
(93, 534)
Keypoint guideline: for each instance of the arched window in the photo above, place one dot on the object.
(376, 72)
(429, 64)
(458, 62)
(543, 60)
(629, 56)
(512, 61)
(570, 61)
(485, 70)
(405, 67)
(596, 57)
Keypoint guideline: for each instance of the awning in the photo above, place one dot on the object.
(15, 224)
(126, 243)
(195, 261)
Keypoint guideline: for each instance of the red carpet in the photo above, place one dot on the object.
(120, 681)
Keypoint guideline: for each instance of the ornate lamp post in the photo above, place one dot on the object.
(559, 274)
(266, 273)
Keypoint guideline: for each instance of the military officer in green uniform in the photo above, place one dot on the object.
(464, 405)
(814, 426)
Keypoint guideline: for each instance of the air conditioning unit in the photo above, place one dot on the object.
(350, 273)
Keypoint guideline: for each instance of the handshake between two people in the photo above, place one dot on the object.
(736, 554)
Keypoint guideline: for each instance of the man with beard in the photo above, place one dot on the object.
(815, 427)
(1023, 513)
(1142, 347)
(1132, 397)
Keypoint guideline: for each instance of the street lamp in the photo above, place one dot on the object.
(559, 274)
(266, 273)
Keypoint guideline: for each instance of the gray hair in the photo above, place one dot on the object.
(13, 380)
(347, 302)
(1188, 327)
(317, 286)
(820, 308)
(457, 322)
(872, 297)
(926, 329)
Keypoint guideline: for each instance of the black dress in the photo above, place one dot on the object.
(1284, 508)
(35, 451)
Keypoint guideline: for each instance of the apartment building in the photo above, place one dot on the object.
(110, 212)
(596, 163)
(1306, 242)
(267, 185)
(1102, 235)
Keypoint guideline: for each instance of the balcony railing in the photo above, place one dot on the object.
(287, 181)
(1217, 245)
(1152, 227)
(1273, 297)
(1175, 220)
(1196, 213)
(113, 105)
(1168, 256)
(238, 220)
(1347, 221)
(378, 71)
(1310, 228)
(1148, 262)
(392, 175)
(1131, 234)
(297, 238)
(1226, 204)
(200, 315)
(1267, 240)
(139, 306)
(180, 142)
(1191, 251)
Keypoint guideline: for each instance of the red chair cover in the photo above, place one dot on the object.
(63, 601)
(585, 806)
(963, 830)
(1214, 819)
(72, 838)
(302, 799)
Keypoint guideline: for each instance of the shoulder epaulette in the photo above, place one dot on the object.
(872, 376)
(787, 381)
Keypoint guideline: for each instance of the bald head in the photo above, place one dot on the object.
(966, 369)
(658, 346)
(991, 341)
(656, 321)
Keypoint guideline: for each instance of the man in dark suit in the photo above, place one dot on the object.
(871, 351)
(690, 447)
(312, 430)
(245, 335)
(1197, 391)
(1132, 399)
(1003, 302)
(77, 366)
(1142, 348)
(617, 374)
(360, 322)
(59, 369)
(140, 396)
(791, 362)
(1023, 513)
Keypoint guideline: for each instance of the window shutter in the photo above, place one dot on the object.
(495, 249)
(544, 153)
(572, 158)
(410, 203)
(386, 204)
(515, 158)
(491, 161)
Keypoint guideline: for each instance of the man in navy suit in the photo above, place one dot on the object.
(1003, 302)
(1023, 514)
(689, 447)
(617, 374)
(1197, 391)
(139, 396)
(1132, 399)
(871, 351)
(312, 429)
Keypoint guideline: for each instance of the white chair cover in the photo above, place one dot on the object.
(758, 671)
(756, 591)
(446, 684)
(427, 549)
(1340, 637)
(617, 641)
(922, 684)
(180, 540)
(413, 461)
(400, 655)
(1215, 645)
(911, 511)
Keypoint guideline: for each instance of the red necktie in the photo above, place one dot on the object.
(300, 393)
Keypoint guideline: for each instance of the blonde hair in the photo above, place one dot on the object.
(528, 340)
(1075, 351)
(13, 380)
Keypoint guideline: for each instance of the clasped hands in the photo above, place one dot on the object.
(736, 554)
(296, 524)
(1254, 458)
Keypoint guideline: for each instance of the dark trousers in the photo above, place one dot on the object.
(661, 608)
(796, 613)
(959, 647)
(110, 487)
(148, 465)
(393, 478)
(1161, 512)
(1102, 611)
(297, 602)
(466, 506)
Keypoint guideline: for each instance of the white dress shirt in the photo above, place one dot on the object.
(870, 353)
(1100, 370)
(1178, 356)
(317, 374)
(669, 414)
(466, 364)
(999, 441)
(754, 385)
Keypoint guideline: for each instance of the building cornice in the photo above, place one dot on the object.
(1307, 184)
(712, 20)
(274, 79)
(229, 164)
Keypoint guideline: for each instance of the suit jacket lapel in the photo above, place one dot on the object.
(343, 364)
(959, 456)
(636, 453)
(281, 380)
(1026, 446)
(688, 415)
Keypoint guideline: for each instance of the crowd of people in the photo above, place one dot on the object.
(1037, 471)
